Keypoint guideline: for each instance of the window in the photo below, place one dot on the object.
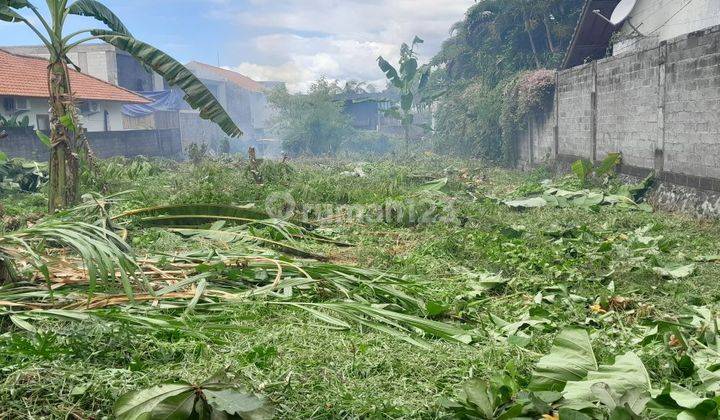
(43, 122)
(9, 104)
(22, 104)
(12, 104)
(87, 107)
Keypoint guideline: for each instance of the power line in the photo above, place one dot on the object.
(661, 26)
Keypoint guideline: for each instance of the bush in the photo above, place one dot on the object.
(467, 122)
(528, 93)
(370, 143)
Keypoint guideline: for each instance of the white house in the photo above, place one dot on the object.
(24, 93)
(104, 62)
(647, 24)
(654, 21)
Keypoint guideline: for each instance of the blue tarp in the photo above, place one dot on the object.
(165, 100)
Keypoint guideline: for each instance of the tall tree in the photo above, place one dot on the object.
(66, 133)
(498, 38)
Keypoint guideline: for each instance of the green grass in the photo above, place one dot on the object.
(78, 370)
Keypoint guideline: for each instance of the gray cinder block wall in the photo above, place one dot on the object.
(23, 143)
(659, 107)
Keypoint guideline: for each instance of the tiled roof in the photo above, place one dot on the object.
(234, 77)
(27, 77)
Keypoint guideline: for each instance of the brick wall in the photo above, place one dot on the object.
(23, 143)
(659, 107)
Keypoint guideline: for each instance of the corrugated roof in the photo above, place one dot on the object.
(234, 77)
(27, 77)
(592, 34)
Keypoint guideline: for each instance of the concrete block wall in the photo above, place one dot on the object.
(692, 105)
(574, 91)
(627, 107)
(23, 143)
(659, 107)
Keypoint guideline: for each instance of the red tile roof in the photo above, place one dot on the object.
(237, 78)
(27, 77)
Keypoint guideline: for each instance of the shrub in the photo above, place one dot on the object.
(467, 122)
(528, 93)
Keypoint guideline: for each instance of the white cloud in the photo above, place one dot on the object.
(303, 40)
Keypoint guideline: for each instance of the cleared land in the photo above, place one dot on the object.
(498, 283)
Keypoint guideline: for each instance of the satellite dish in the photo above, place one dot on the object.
(622, 11)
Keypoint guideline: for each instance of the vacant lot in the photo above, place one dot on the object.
(392, 285)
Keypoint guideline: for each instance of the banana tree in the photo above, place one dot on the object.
(410, 80)
(67, 138)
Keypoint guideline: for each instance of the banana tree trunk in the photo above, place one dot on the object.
(64, 159)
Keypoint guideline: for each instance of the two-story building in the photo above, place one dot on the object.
(24, 95)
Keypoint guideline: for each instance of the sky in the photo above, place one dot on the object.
(293, 41)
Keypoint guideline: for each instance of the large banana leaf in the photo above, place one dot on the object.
(97, 10)
(9, 15)
(194, 214)
(196, 93)
(570, 359)
(390, 73)
(16, 4)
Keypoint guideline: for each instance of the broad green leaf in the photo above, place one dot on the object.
(140, 404)
(178, 407)
(569, 414)
(390, 73)
(603, 393)
(424, 79)
(245, 405)
(684, 397)
(527, 203)
(589, 200)
(97, 10)
(196, 93)
(17, 4)
(628, 372)
(582, 169)
(635, 400)
(44, 139)
(608, 164)
(3, 157)
(9, 15)
(570, 359)
(675, 271)
(435, 185)
(22, 323)
(435, 308)
(621, 413)
(710, 380)
(67, 122)
(479, 394)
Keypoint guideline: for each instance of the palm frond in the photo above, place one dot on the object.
(97, 10)
(105, 255)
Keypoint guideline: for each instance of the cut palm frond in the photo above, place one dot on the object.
(104, 255)
(395, 323)
(199, 283)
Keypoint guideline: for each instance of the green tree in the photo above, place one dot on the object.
(312, 123)
(411, 80)
(68, 142)
(499, 38)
